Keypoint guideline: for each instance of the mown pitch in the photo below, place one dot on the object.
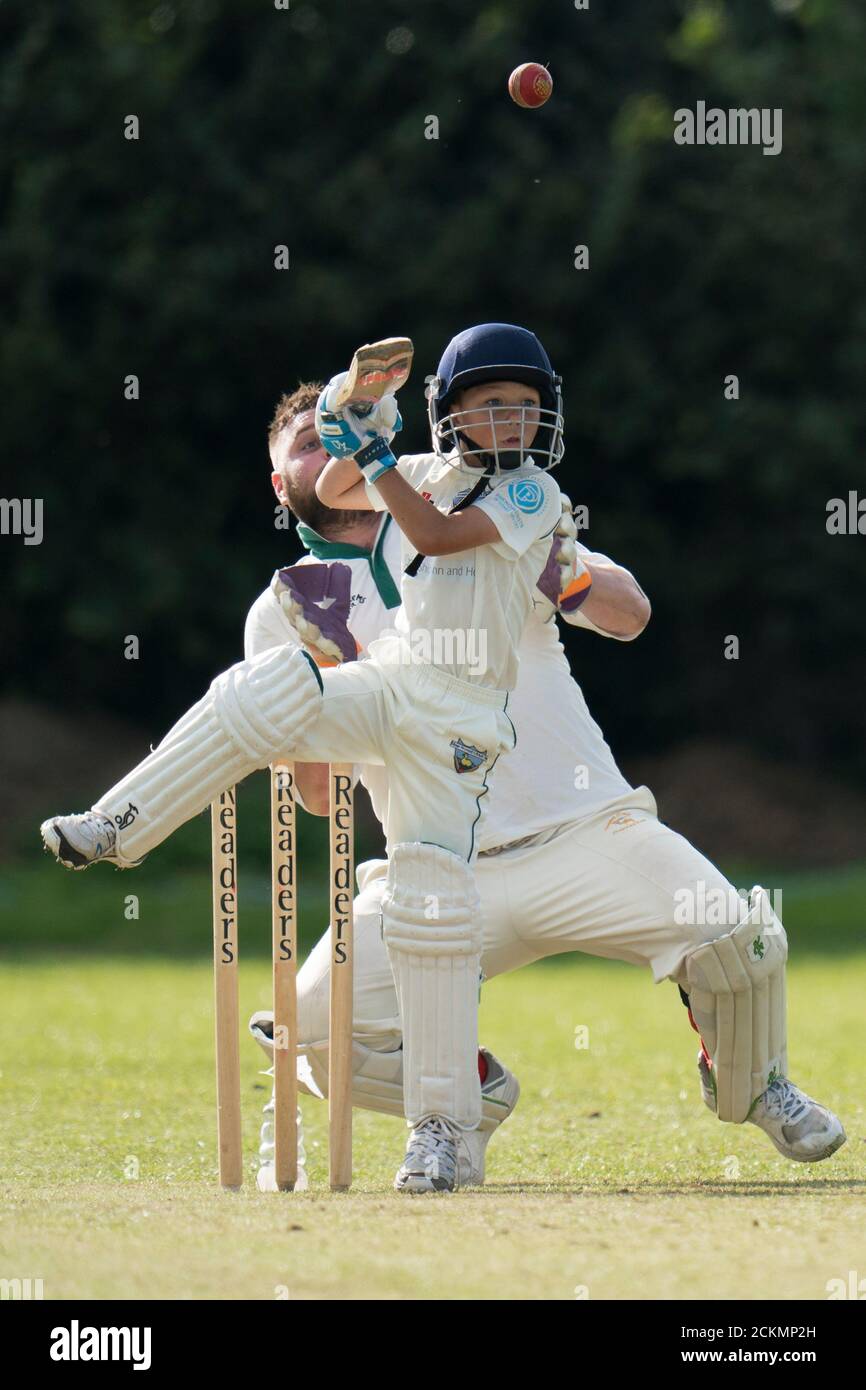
(611, 1180)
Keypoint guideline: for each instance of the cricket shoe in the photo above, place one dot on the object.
(431, 1163)
(500, 1092)
(81, 840)
(800, 1128)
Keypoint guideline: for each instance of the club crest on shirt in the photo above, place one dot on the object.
(527, 495)
(466, 757)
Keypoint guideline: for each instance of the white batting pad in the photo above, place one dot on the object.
(432, 929)
(252, 713)
(737, 997)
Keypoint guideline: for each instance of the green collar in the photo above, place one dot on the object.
(339, 550)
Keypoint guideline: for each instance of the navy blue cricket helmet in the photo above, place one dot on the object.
(496, 352)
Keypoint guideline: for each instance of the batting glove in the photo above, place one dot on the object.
(363, 435)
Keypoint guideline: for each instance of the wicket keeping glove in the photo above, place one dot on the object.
(317, 600)
(565, 581)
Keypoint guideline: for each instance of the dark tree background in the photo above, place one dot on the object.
(261, 126)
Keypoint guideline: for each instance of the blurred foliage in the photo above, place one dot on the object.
(166, 907)
(41, 915)
(305, 126)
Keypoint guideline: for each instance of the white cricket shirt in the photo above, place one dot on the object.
(561, 768)
(465, 612)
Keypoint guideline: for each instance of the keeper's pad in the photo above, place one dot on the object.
(252, 713)
(737, 996)
(377, 1078)
(432, 929)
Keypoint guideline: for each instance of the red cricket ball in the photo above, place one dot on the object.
(530, 84)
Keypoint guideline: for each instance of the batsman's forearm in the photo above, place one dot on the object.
(425, 527)
(616, 603)
(341, 485)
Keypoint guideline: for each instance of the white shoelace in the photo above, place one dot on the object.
(784, 1101)
(427, 1143)
(91, 829)
(428, 1137)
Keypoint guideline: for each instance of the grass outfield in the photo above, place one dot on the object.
(611, 1180)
